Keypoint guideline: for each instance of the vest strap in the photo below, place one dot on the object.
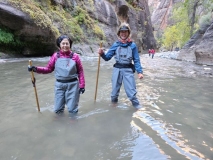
(58, 55)
(66, 81)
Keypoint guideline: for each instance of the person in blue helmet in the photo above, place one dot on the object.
(125, 52)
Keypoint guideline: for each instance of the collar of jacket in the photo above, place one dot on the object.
(67, 53)
(125, 41)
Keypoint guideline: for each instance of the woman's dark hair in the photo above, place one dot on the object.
(59, 39)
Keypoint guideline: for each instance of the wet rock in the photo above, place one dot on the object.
(169, 55)
(204, 50)
(187, 53)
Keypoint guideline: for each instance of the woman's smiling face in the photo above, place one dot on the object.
(65, 45)
(124, 34)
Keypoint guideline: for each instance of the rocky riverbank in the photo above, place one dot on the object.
(167, 64)
(6, 56)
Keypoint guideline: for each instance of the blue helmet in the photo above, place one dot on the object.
(124, 27)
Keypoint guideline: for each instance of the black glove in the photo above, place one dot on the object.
(32, 68)
(81, 90)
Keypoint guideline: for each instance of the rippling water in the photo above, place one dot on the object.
(175, 123)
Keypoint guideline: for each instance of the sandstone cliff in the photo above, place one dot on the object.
(37, 28)
(199, 48)
(161, 12)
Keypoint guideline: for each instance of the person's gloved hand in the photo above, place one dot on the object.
(32, 68)
(81, 90)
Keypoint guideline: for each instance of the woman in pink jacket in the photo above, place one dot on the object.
(69, 74)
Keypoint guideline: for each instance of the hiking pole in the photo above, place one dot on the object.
(33, 82)
(99, 57)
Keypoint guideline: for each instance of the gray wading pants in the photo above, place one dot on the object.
(126, 76)
(66, 93)
(66, 85)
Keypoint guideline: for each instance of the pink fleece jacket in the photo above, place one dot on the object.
(51, 66)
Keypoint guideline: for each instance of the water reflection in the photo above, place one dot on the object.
(169, 134)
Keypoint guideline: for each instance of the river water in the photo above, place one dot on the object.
(175, 123)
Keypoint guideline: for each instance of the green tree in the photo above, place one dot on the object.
(207, 13)
(5, 36)
(178, 33)
(170, 37)
(186, 20)
(196, 9)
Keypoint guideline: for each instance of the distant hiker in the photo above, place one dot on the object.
(153, 53)
(124, 51)
(149, 51)
(69, 74)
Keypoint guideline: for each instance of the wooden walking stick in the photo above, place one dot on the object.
(33, 81)
(99, 57)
